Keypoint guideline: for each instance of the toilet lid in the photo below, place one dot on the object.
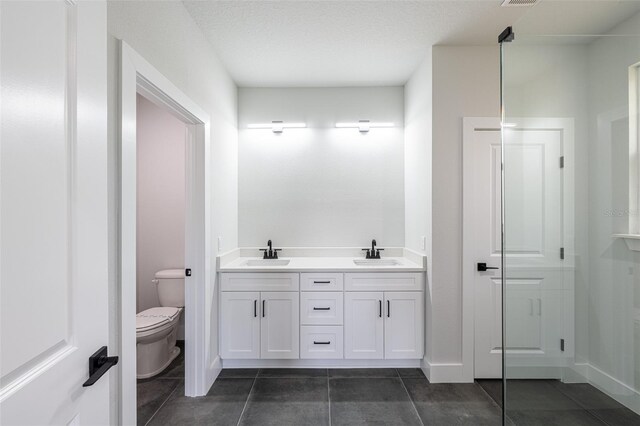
(155, 317)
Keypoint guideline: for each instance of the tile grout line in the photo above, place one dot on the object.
(413, 404)
(488, 394)
(581, 404)
(503, 412)
(163, 403)
(248, 396)
(329, 396)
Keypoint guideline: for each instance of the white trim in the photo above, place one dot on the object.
(612, 387)
(321, 363)
(634, 149)
(470, 124)
(139, 76)
(446, 373)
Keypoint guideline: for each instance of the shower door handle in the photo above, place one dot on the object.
(482, 267)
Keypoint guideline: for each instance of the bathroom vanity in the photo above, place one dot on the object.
(315, 307)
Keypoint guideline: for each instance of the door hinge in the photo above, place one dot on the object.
(562, 345)
(562, 162)
(187, 272)
(561, 253)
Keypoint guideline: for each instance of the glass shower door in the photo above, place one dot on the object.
(571, 249)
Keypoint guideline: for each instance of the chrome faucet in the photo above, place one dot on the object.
(373, 253)
(270, 252)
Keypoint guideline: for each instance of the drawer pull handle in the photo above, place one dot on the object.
(321, 343)
(322, 282)
(321, 309)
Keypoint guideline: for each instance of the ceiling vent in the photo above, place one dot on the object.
(509, 3)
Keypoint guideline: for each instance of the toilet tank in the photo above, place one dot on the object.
(171, 287)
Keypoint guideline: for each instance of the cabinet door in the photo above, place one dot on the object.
(279, 325)
(240, 325)
(403, 329)
(363, 325)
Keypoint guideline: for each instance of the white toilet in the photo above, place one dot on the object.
(156, 328)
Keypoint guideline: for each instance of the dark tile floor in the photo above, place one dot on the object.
(551, 402)
(298, 397)
(385, 396)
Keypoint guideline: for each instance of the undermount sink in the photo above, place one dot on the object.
(268, 262)
(376, 262)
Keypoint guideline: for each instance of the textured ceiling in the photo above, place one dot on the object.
(340, 43)
(370, 43)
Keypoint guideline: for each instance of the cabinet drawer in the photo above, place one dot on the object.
(321, 342)
(321, 308)
(321, 282)
(254, 281)
(384, 281)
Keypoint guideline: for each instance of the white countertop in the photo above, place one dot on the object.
(321, 260)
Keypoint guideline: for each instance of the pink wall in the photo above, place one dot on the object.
(161, 197)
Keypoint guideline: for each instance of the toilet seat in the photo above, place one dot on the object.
(155, 318)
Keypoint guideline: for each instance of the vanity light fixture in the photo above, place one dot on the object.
(277, 126)
(363, 125)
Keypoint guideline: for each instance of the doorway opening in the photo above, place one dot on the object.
(160, 254)
(143, 182)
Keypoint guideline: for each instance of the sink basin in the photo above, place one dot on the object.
(268, 262)
(376, 262)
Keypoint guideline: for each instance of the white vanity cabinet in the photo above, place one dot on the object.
(403, 325)
(322, 316)
(386, 324)
(259, 316)
(279, 327)
(240, 320)
(364, 325)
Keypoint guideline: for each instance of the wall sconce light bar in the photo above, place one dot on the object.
(277, 126)
(363, 125)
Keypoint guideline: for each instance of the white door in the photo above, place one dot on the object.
(363, 325)
(403, 325)
(54, 294)
(280, 331)
(240, 325)
(534, 219)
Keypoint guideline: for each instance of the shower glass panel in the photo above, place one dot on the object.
(571, 221)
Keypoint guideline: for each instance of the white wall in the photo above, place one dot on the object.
(614, 270)
(161, 197)
(321, 186)
(166, 36)
(465, 84)
(417, 174)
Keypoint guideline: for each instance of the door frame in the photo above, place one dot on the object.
(469, 126)
(137, 76)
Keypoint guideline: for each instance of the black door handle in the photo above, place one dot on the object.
(482, 267)
(99, 363)
(380, 308)
(255, 308)
(262, 308)
(388, 309)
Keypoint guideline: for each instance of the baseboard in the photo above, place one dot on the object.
(321, 363)
(613, 387)
(212, 373)
(445, 373)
